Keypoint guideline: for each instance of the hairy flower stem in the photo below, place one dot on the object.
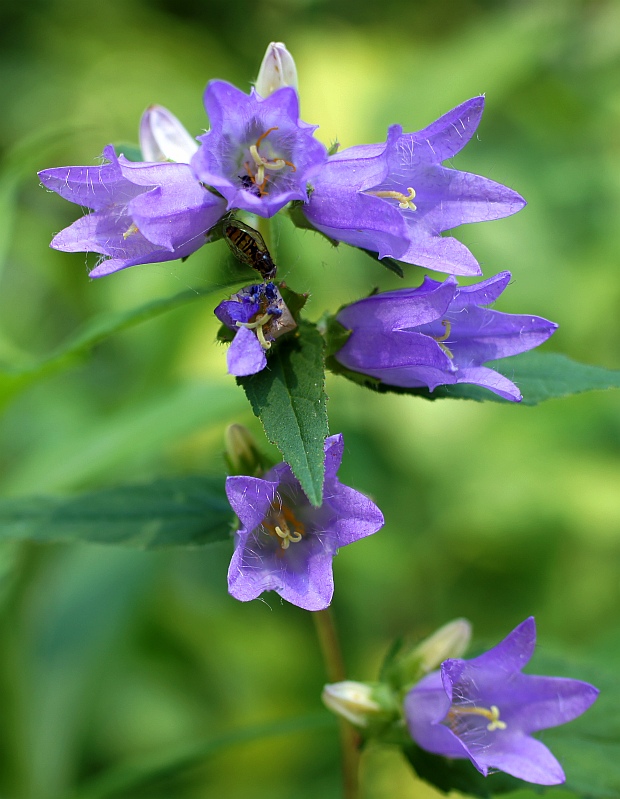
(265, 228)
(334, 666)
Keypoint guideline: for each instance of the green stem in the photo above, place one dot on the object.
(334, 666)
(265, 228)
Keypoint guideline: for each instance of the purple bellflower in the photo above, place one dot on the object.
(287, 545)
(259, 316)
(438, 334)
(258, 154)
(142, 213)
(396, 198)
(486, 709)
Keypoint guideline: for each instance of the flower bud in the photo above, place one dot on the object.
(163, 137)
(242, 453)
(449, 641)
(363, 704)
(277, 70)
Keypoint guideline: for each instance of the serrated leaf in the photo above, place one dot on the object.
(539, 376)
(186, 511)
(288, 396)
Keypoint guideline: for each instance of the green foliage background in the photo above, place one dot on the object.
(493, 512)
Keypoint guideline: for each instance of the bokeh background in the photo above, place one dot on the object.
(494, 512)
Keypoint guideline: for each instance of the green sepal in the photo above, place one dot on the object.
(333, 148)
(299, 220)
(132, 152)
(295, 302)
(336, 335)
(388, 263)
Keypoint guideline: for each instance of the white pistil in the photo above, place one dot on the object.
(404, 200)
(258, 326)
(130, 231)
(287, 537)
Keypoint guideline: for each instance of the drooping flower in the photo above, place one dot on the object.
(164, 138)
(287, 545)
(396, 198)
(486, 710)
(258, 154)
(259, 316)
(142, 213)
(277, 70)
(438, 334)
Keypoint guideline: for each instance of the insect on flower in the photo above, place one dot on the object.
(248, 246)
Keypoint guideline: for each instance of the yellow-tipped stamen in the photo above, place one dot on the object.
(130, 231)
(404, 200)
(440, 339)
(262, 163)
(492, 714)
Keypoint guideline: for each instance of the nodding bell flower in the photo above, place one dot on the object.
(277, 70)
(396, 198)
(438, 334)
(163, 137)
(259, 316)
(258, 154)
(284, 543)
(142, 213)
(486, 710)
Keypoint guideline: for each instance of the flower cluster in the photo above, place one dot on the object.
(393, 199)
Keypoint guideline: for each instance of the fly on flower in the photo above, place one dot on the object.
(248, 246)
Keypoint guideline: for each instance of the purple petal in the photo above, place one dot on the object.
(442, 253)
(426, 705)
(489, 378)
(356, 515)
(537, 703)
(483, 293)
(522, 757)
(95, 187)
(448, 135)
(402, 309)
(250, 498)
(511, 654)
(334, 448)
(245, 355)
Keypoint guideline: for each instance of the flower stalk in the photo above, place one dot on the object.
(329, 645)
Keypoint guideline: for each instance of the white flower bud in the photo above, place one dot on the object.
(358, 702)
(163, 137)
(277, 70)
(449, 641)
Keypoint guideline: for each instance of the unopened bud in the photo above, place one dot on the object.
(163, 137)
(242, 453)
(277, 70)
(363, 704)
(449, 641)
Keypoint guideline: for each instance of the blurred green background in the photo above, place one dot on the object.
(493, 512)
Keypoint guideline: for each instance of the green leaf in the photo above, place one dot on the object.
(539, 376)
(289, 398)
(14, 377)
(175, 761)
(187, 511)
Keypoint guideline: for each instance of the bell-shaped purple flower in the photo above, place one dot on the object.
(287, 545)
(486, 710)
(259, 316)
(438, 334)
(396, 198)
(142, 213)
(258, 154)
